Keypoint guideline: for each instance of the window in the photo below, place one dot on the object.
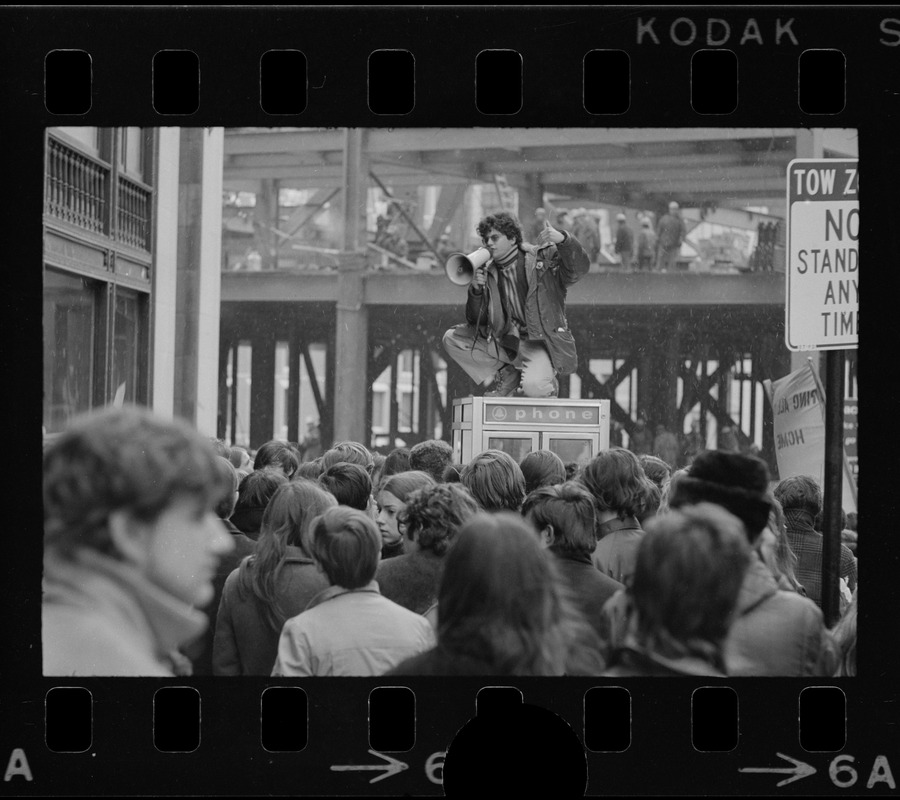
(70, 310)
(88, 139)
(131, 151)
(128, 351)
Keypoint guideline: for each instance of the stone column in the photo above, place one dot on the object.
(198, 282)
(351, 382)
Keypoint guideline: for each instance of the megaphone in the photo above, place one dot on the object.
(460, 268)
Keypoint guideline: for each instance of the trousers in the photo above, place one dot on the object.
(668, 259)
(481, 359)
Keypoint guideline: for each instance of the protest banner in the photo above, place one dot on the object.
(798, 407)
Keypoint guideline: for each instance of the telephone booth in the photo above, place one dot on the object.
(576, 430)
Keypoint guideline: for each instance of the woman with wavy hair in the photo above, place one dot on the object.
(621, 493)
(432, 517)
(391, 498)
(504, 610)
(271, 586)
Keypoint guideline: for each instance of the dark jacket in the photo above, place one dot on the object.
(439, 661)
(411, 580)
(200, 651)
(590, 587)
(616, 552)
(244, 642)
(549, 272)
(670, 232)
(624, 239)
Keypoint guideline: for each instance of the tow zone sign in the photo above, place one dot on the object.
(822, 307)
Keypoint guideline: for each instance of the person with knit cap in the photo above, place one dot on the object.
(774, 632)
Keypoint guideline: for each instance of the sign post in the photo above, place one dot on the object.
(822, 313)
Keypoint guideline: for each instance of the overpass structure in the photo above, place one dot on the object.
(360, 331)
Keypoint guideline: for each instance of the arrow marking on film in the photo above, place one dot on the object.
(392, 767)
(798, 771)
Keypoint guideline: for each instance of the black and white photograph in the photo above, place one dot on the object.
(449, 400)
(473, 401)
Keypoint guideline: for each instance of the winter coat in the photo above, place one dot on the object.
(774, 632)
(590, 587)
(351, 632)
(102, 617)
(411, 580)
(200, 651)
(777, 632)
(244, 642)
(670, 232)
(549, 272)
(616, 552)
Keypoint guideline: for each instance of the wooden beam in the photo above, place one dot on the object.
(382, 140)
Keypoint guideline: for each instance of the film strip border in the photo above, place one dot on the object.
(659, 48)
(390, 79)
(341, 736)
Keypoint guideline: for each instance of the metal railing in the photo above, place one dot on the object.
(133, 214)
(77, 188)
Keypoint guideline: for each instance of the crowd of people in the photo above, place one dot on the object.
(167, 553)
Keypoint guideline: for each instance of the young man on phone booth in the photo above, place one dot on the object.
(516, 335)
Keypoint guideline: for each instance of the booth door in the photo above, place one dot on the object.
(516, 444)
(570, 447)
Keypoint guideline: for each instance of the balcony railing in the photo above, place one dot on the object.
(77, 189)
(133, 214)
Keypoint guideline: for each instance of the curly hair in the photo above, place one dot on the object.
(125, 459)
(617, 481)
(502, 221)
(800, 492)
(434, 514)
(656, 469)
(432, 456)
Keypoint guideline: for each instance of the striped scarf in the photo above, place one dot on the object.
(514, 306)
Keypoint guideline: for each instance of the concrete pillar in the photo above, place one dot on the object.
(351, 384)
(198, 290)
(164, 274)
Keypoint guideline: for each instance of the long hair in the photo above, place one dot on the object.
(781, 560)
(434, 515)
(616, 479)
(285, 523)
(501, 600)
(845, 638)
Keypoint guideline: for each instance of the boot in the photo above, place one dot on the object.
(506, 382)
